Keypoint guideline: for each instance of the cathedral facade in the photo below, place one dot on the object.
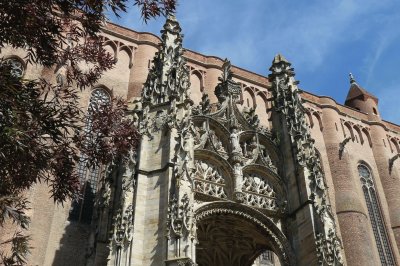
(233, 168)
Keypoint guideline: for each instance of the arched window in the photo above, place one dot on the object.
(89, 176)
(375, 214)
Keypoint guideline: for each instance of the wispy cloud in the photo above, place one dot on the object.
(324, 39)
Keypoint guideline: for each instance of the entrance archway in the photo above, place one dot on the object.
(230, 233)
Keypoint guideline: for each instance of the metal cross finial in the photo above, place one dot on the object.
(352, 80)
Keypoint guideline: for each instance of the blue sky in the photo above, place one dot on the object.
(324, 41)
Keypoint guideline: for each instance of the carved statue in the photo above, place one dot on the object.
(234, 138)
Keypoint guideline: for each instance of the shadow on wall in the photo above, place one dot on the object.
(73, 246)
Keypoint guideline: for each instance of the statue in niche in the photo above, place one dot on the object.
(234, 138)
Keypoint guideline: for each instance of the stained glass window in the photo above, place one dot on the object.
(82, 210)
(375, 214)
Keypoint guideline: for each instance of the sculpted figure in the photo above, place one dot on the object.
(234, 137)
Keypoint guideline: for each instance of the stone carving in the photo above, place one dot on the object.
(167, 83)
(258, 192)
(174, 221)
(17, 68)
(186, 262)
(168, 79)
(234, 138)
(208, 180)
(227, 87)
(128, 178)
(287, 101)
(205, 136)
(123, 228)
(254, 152)
(251, 116)
(180, 214)
(326, 246)
(202, 136)
(204, 106)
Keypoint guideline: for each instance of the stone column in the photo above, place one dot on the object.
(352, 215)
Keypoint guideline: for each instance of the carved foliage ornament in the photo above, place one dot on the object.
(204, 106)
(287, 101)
(184, 157)
(123, 227)
(251, 117)
(180, 213)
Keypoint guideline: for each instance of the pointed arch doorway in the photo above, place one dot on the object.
(230, 233)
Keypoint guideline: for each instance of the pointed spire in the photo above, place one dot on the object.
(356, 91)
(357, 98)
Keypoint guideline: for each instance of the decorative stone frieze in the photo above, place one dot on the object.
(288, 103)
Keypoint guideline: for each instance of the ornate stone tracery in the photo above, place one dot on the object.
(209, 181)
(258, 192)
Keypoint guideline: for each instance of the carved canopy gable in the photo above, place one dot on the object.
(228, 137)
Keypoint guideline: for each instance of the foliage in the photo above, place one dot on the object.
(41, 122)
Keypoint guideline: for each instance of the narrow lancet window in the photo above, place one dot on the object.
(89, 176)
(375, 214)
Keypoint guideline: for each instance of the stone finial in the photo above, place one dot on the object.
(226, 71)
(227, 86)
(280, 65)
(171, 26)
(280, 58)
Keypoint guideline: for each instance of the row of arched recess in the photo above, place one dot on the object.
(357, 133)
(120, 51)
